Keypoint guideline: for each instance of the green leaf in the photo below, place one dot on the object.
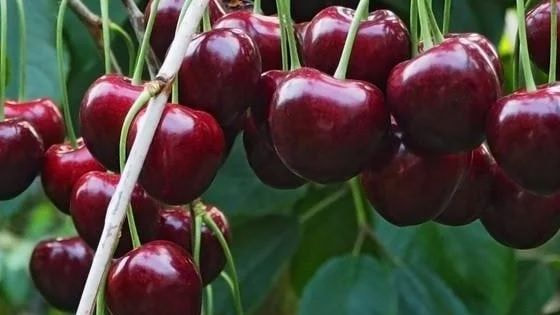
(350, 286)
(261, 248)
(536, 285)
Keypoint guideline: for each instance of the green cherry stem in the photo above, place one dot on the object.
(105, 23)
(100, 299)
(22, 49)
(446, 16)
(196, 236)
(3, 56)
(206, 24)
(361, 217)
(62, 74)
(175, 86)
(257, 7)
(129, 44)
(414, 26)
(342, 68)
(426, 35)
(209, 302)
(524, 49)
(434, 28)
(515, 65)
(553, 41)
(283, 38)
(286, 18)
(145, 45)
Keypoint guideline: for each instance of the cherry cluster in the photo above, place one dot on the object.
(409, 119)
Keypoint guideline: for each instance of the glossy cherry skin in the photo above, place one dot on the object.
(326, 130)
(59, 270)
(184, 157)
(473, 194)
(264, 160)
(88, 206)
(156, 278)
(518, 218)
(176, 225)
(63, 166)
(538, 35)
(440, 98)
(21, 157)
(523, 133)
(382, 42)
(409, 189)
(43, 115)
(260, 109)
(264, 30)
(167, 17)
(220, 73)
(102, 114)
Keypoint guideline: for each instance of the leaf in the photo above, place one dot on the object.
(350, 286)
(261, 248)
(536, 285)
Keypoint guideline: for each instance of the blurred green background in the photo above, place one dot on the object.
(288, 265)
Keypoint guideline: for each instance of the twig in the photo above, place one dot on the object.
(117, 207)
(136, 18)
(93, 23)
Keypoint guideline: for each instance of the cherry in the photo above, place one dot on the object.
(260, 109)
(59, 269)
(409, 189)
(473, 194)
(184, 157)
(487, 47)
(305, 10)
(88, 207)
(264, 160)
(382, 37)
(218, 8)
(176, 225)
(518, 218)
(43, 115)
(156, 278)
(538, 35)
(102, 114)
(441, 97)
(21, 157)
(326, 130)
(523, 132)
(63, 166)
(264, 30)
(167, 17)
(232, 131)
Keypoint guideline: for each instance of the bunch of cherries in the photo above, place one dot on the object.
(408, 118)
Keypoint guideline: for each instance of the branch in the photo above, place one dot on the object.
(116, 210)
(94, 26)
(136, 18)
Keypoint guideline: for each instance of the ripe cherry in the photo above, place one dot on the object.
(473, 194)
(156, 278)
(523, 132)
(264, 30)
(220, 73)
(167, 17)
(43, 115)
(21, 157)
(518, 218)
(326, 130)
(260, 109)
(440, 98)
(59, 269)
(176, 225)
(382, 37)
(538, 34)
(409, 189)
(184, 157)
(305, 10)
(102, 113)
(63, 166)
(88, 207)
(487, 47)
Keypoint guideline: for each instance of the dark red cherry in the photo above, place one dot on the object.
(43, 115)
(381, 43)
(473, 194)
(59, 269)
(260, 109)
(538, 35)
(63, 166)
(21, 157)
(524, 136)
(156, 278)
(264, 160)
(409, 189)
(518, 218)
(220, 73)
(176, 226)
(167, 17)
(487, 47)
(326, 130)
(88, 207)
(264, 30)
(232, 131)
(440, 98)
(305, 10)
(184, 157)
(218, 8)
(102, 114)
